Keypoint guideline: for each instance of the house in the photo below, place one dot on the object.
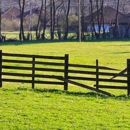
(12, 16)
(11, 13)
(32, 16)
(10, 20)
(109, 16)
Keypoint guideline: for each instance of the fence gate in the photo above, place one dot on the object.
(102, 77)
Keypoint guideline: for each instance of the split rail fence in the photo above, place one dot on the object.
(56, 70)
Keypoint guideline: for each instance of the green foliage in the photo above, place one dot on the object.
(73, 23)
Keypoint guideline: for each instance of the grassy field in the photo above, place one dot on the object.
(49, 107)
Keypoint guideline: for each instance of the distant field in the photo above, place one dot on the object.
(48, 107)
(15, 35)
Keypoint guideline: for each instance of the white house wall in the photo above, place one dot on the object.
(89, 28)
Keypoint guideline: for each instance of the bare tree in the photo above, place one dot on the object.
(92, 20)
(51, 19)
(82, 19)
(67, 20)
(102, 16)
(79, 17)
(115, 30)
(54, 6)
(44, 20)
(38, 23)
(21, 7)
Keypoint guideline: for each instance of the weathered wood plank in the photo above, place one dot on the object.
(30, 81)
(88, 87)
(30, 62)
(94, 79)
(66, 72)
(91, 66)
(36, 56)
(30, 75)
(94, 73)
(16, 67)
(112, 87)
(33, 72)
(97, 74)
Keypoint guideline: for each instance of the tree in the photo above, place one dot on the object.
(92, 21)
(67, 20)
(79, 19)
(52, 18)
(21, 7)
(115, 30)
(44, 20)
(38, 23)
(83, 7)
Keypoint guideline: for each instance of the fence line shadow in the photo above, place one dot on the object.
(83, 94)
(70, 93)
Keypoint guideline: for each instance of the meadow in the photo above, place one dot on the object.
(49, 107)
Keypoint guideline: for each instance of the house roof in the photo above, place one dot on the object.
(125, 20)
(109, 15)
(34, 11)
(11, 13)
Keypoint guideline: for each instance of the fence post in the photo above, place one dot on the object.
(0, 68)
(33, 72)
(66, 72)
(97, 75)
(128, 76)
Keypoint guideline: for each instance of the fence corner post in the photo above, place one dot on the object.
(0, 68)
(66, 72)
(128, 77)
(97, 74)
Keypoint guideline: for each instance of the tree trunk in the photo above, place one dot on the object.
(38, 23)
(52, 19)
(127, 31)
(92, 22)
(97, 35)
(67, 21)
(44, 22)
(102, 16)
(21, 6)
(82, 20)
(115, 31)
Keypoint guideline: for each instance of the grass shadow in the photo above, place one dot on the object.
(121, 53)
(83, 94)
(58, 41)
(80, 94)
(35, 42)
(70, 93)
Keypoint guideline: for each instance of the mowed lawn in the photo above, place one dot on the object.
(50, 108)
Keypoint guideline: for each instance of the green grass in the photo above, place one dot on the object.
(48, 107)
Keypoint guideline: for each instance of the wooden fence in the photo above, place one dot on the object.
(29, 65)
(56, 70)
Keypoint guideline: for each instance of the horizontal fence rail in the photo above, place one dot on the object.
(8, 62)
(56, 70)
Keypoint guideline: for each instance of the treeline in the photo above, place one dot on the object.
(67, 19)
